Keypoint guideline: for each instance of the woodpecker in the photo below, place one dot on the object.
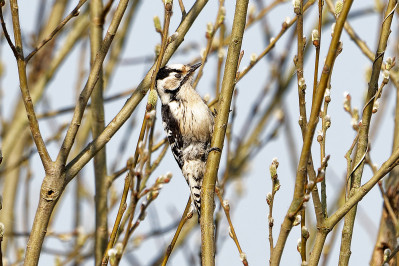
(188, 123)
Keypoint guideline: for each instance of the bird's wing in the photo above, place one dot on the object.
(173, 133)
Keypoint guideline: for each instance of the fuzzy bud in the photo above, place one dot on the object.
(168, 5)
(75, 13)
(376, 105)
(152, 98)
(157, 24)
(387, 253)
(320, 136)
(112, 254)
(209, 30)
(327, 120)
(253, 58)
(310, 185)
(302, 84)
(297, 220)
(305, 232)
(271, 221)
(347, 101)
(287, 21)
(327, 97)
(385, 75)
(306, 198)
(390, 62)
(269, 198)
(298, 245)
(222, 15)
(169, 176)
(226, 205)
(119, 248)
(153, 194)
(315, 37)
(243, 256)
(320, 176)
(338, 8)
(273, 170)
(297, 6)
(300, 121)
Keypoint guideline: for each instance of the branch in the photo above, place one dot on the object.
(30, 112)
(91, 82)
(363, 143)
(97, 126)
(318, 99)
(74, 13)
(228, 84)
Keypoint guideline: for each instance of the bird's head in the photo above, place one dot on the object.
(170, 79)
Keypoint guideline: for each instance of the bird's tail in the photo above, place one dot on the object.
(193, 172)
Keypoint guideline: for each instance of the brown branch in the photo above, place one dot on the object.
(308, 138)
(97, 126)
(363, 143)
(23, 80)
(226, 207)
(91, 82)
(229, 79)
(186, 215)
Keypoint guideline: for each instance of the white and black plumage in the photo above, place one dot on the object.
(188, 123)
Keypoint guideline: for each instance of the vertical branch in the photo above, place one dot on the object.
(33, 123)
(308, 138)
(298, 9)
(228, 84)
(97, 126)
(362, 144)
(91, 82)
(316, 42)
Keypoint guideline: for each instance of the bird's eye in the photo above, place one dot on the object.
(178, 75)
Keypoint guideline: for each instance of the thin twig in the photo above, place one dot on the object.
(75, 12)
(3, 25)
(183, 10)
(183, 220)
(233, 235)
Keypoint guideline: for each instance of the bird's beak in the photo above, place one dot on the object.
(194, 67)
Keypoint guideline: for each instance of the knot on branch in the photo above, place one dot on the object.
(49, 193)
(324, 229)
